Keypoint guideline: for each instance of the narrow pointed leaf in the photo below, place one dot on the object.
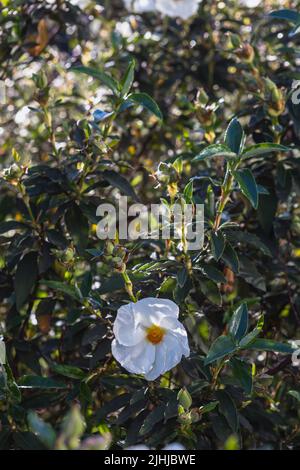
(263, 148)
(221, 347)
(127, 81)
(217, 244)
(147, 102)
(238, 325)
(234, 136)
(103, 77)
(216, 150)
(286, 14)
(247, 185)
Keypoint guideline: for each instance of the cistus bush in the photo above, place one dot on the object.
(108, 344)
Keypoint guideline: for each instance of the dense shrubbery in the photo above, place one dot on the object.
(96, 98)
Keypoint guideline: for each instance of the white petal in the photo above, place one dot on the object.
(176, 329)
(174, 351)
(159, 364)
(169, 353)
(126, 329)
(137, 359)
(152, 310)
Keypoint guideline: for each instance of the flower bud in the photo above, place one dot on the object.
(233, 41)
(184, 398)
(246, 53)
(185, 418)
(201, 98)
(109, 247)
(274, 98)
(12, 173)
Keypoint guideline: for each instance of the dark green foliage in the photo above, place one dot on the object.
(198, 112)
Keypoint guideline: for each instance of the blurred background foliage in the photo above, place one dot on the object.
(71, 139)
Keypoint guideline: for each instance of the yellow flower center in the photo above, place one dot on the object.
(155, 334)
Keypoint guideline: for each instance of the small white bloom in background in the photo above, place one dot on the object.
(124, 29)
(178, 8)
(251, 3)
(149, 339)
(2, 352)
(140, 6)
(138, 447)
(172, 446)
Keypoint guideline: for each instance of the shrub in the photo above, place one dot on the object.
(98, 102)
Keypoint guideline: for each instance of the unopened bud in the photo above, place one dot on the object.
(184, 398)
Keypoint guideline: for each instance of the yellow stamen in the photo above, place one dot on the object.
(155, 334)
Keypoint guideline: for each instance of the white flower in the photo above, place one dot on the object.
(149, 339)
(2, 352)
(140, 6)
(174, 446)
(178, 8)
(171, 446)
(138, 447)
(251, 3)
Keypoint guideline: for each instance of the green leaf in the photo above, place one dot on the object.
(12, 225)
(213, 273)
(238, 325)
(209, 407)
(294, 31)
(127, 81)
(247, 185)
(221, 347)
(44, 431)
(25, 278)
(250, 273)
(113, 405)
(77, 225)
(147, 102)
(217, 244)
(188, 192)
(242, 372)
(234, 136)
(35, 381)
(228, 409)
(152, 419)
(262, 149)
(215, 150)
(230, 258)
(211, 291)
(27, 441)
(86, 284)
(118, 181)
(68, 371)
(62, 287)
(248, 238)
(250, 337)
(261, 344)
(103, 77)
(13, 388)
(182, 277)
(295, 394)
(286, 14)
